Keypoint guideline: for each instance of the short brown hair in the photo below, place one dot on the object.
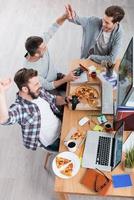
(116, 12)
(32, 43)
(22, 77)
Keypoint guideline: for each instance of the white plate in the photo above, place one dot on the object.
(74, 159)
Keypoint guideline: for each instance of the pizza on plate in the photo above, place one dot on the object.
(68, 170)
(60, 161)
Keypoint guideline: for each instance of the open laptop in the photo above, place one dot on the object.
(103, 150)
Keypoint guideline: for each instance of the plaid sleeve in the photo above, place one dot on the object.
(45, 83)
(51, 99)
(47, 96)
(14, 115)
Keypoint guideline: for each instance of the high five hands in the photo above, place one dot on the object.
(70, 12)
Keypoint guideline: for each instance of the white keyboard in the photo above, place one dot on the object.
(107, 98)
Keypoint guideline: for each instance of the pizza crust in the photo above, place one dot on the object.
(68, 170)
(77, 135)
(61, 161)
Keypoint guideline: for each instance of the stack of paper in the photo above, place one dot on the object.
(81, 79)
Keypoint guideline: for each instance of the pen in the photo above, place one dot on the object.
(83, 67)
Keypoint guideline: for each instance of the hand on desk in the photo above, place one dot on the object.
(74, 100)
(70, 77)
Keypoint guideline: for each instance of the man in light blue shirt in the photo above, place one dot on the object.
(102, 38)
(38, 58)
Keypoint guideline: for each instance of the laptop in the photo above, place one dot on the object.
(103, 150)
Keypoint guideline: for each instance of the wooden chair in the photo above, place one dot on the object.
(48, 154)
(49, 151)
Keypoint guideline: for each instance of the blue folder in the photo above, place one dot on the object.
(121, 180)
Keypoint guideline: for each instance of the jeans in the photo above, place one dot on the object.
(61, 89)
(52, 147)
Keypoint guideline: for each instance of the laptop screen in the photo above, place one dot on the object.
(118, 145)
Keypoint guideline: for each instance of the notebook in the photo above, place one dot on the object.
(121, 180)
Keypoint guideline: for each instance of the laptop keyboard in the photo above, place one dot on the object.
(103, 151)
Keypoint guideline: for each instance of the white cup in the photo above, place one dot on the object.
(91, 69)
(71, 145)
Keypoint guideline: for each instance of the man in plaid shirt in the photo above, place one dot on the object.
(34, 109)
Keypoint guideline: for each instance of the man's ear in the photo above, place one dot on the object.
(36, 55)
(24, 89)
(116, 23)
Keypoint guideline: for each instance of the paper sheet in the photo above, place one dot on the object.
(98, 128)
(81, 79)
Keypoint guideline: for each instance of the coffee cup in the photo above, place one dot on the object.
(108, 126)
(71, 145)
(93, 74)
(91, 69)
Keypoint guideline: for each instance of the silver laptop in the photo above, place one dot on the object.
(103, 150)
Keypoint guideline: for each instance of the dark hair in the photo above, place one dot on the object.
(32, 43)
(22, 77)
(116, 12)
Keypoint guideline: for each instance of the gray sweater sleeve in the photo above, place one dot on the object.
(46, 84)
(51, 31)
(80, 20)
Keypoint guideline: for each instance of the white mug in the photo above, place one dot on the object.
(91, 69)
(71, 145)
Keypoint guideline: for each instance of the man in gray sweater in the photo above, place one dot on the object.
(38, 58)
(102, 37)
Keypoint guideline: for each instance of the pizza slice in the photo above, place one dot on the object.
(68, 170)
(61, 161)
(76, 135)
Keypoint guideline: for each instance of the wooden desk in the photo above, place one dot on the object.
(73, 186)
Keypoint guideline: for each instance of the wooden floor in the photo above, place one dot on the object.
(22, 176)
